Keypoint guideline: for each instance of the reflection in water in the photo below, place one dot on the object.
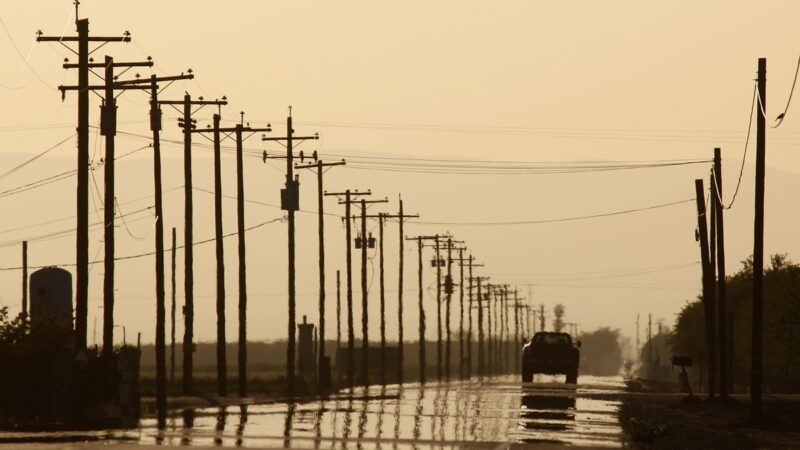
(222, 418)
(188, 424)
(418, 414)
(287, 425)
(240, 426)
(547, 412)
(461, 414)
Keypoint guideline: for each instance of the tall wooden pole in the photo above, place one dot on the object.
(351, 345)
(222, 364)
(481, 353)
(242, 355)
(756, 374)
(400, 355)
(438, 312)
(338, 310)
(382, 286)
(364, 299)
(24, 281)
(722, 305)
(461, 314)
(172, 313)
(161, 391)
(108, 129)
(708, 286)
(449, 288)
(422, 358)
(188, 251)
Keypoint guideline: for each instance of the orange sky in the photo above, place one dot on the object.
(519, 81)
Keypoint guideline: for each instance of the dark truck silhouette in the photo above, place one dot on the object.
(552, 354)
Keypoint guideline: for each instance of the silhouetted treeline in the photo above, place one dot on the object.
(781, 325)
(268, 358)
(601, 352)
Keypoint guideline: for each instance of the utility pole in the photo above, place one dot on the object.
(323, 380)
(82, 229)
(349, 199)
(481, 351)
(155, 127)
(24, 282)
(722, 306)
(290, 202)
(438, 310)
(421, 311)
(172, 318)
(756, 374)
(517, 343)
(187, 124)
(382, 218)
(708, 286)
(401, 218)
(541, 317)
(491, 337)
(461, 359)
(238, 133)
(471, 262)
(365, 243)
(338, 311)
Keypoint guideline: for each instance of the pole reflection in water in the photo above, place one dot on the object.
(397, 416)
(222, 418)
(418, 415)
(188, 424)
(461, 414)
(348, 420)
(318, 424)
(240, 427)
(362, 418)
(287, 425)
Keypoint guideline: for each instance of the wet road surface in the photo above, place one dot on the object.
(494, 413)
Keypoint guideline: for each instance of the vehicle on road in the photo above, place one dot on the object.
(551, 353)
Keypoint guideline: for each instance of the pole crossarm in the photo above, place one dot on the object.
(152, 79)
(124, 38)
(319, 164)
(148, 63)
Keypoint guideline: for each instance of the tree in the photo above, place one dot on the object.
(601, 352)
(558, 321)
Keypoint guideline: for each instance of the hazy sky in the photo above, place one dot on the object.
(537, 83)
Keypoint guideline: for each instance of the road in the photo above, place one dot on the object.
(494, 413)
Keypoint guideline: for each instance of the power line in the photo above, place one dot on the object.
(564, 219)
(781, 116)
(30, 160)
(142, 255)
(24, 59)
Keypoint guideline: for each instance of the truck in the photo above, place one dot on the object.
(551, 353)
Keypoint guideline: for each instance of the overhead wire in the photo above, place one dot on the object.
(781, 116)
(563, 219)
(34, 158)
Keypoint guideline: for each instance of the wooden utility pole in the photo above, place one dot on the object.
(172, 313)
(461, 358)
(481, 351)
(222, 360)
(187, 124)
(24, 281)
(708, 286)
(239, 131)
(290, 202)
(722, 305)
(155, 127)
(382, 218)
(82, 229)
(757, 365)
(422, 361)
(438, 310)
(364, 291)
(322, 380)
(349, 198)
(338, 310)
(517, 343)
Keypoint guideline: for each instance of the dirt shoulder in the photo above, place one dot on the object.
(669, 422)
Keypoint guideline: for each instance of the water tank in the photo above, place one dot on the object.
(51, 297)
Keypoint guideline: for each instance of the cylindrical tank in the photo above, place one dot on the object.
(51, 298)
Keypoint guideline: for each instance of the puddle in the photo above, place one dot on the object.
(472, 414)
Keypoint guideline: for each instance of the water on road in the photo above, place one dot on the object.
(491, 413)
